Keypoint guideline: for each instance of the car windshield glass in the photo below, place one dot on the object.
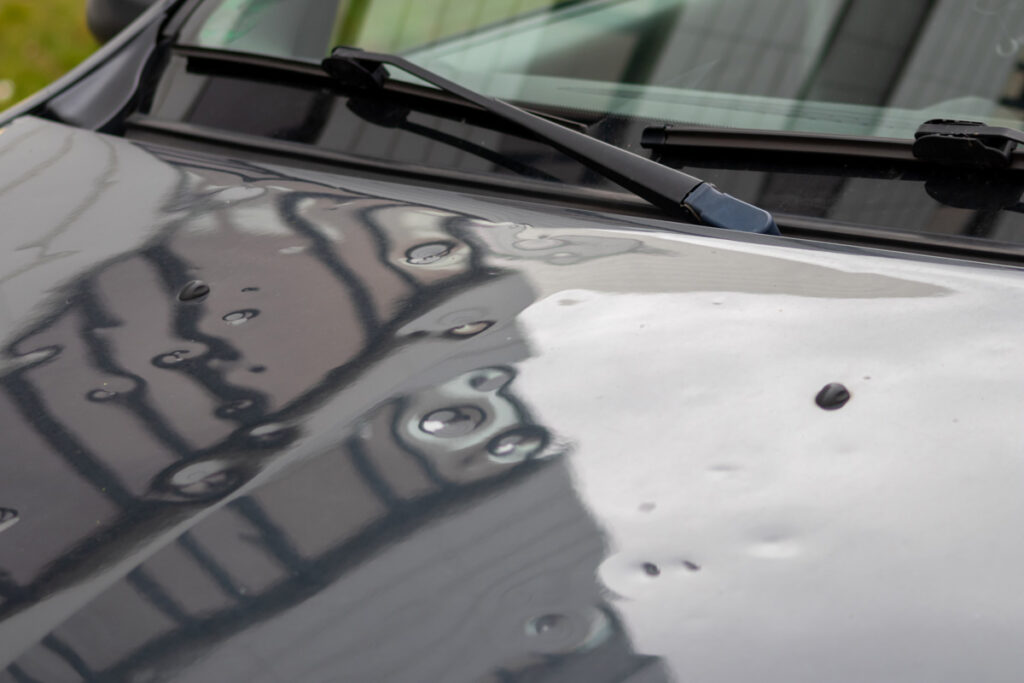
(851, 67)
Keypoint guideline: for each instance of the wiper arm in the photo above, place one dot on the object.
(675, 192)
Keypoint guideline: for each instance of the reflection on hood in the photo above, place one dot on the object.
(281, 418)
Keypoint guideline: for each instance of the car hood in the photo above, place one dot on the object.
(412, 434)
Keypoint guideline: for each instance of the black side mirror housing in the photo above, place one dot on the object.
(106, 18)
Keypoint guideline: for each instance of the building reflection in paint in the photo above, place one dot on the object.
(318, 470)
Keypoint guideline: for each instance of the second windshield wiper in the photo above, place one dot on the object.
(675, 192)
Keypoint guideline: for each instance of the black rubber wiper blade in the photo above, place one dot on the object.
(675, 192)
(941, 142)
(676, 138)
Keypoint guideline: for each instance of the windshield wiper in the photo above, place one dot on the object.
(675, 192)
(966, 143)
(673, 139)
(938, 141)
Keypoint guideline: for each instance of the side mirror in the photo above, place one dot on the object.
(106, 18)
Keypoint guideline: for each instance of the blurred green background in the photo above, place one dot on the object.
(39, 41)
(42, 39)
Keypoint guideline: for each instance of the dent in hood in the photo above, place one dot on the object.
(412, 435)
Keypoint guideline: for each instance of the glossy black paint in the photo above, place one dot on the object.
(416, 435)
(421, 435)
(99, 101)
(155, 408)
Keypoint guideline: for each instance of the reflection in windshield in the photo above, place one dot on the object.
(320, 457)
(866, 67)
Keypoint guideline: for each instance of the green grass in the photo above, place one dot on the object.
(39, 41)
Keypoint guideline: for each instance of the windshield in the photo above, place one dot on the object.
(851, 67)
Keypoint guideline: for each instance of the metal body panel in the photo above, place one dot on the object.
(417, 435)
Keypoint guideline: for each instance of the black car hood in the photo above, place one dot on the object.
(414, 435)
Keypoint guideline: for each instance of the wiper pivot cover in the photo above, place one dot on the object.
(713, 207)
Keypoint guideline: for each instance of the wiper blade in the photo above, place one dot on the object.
(938, 141)
(675, 192)
(675, 138)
